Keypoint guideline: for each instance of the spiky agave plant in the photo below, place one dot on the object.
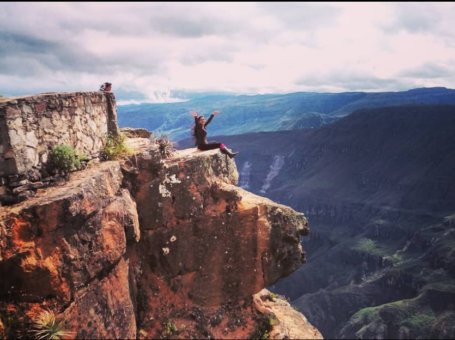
(46, 326)
(166, 146)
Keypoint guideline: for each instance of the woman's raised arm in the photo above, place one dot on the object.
(194, 114)
(215, 113)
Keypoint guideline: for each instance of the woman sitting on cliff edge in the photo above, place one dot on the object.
(200, 135)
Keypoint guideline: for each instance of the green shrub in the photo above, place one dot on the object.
(63, 158)
(367, 245)
(114, 147)
(420, 324)
(272, 321)
(169, 329)
(264, 325)
(46, 326)
(83, 157)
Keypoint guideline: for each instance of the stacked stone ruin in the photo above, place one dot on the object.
(31, 125)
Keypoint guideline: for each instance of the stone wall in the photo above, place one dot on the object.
(30, 126)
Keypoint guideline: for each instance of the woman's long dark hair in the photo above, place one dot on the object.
(194, 128)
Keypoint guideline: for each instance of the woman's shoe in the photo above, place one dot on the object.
(226, 151)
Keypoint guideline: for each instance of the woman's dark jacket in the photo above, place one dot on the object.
(201, 132)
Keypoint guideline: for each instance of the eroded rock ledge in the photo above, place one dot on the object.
(148, 248)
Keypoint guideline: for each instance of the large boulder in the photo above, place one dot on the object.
(222, 242)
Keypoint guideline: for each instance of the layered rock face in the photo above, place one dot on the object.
(222, 241)
(208, 245)
(148, 248)
(66, 249)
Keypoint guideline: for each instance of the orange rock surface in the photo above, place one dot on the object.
(150, 248)
(56, 246)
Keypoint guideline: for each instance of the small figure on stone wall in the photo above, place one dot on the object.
(106, 87)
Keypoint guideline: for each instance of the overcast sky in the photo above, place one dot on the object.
(151, 50)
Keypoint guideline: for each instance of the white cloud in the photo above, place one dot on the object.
(151, 49)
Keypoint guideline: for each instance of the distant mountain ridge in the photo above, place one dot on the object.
(375, 147)
(244, 114)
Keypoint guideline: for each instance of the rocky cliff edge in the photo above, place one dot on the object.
(151, 248)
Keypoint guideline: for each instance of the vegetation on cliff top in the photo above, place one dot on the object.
(114, 147)
(166, 146)
(63, 158)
